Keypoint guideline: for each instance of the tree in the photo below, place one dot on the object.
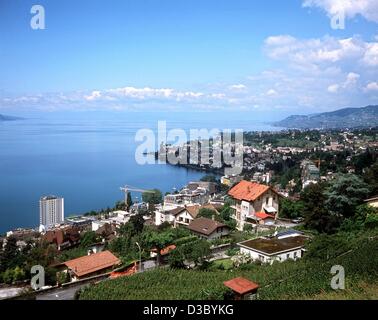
(226, 216)
(364, 160)
(248, 228)
(345, 193)
(120, 205)
(10, 257)
(153, 196)
(290, 209)
(137, 223)
(206, 213)
(121, 246)
(42, 253)
(158, 240)
(164, 226)
(8, 276)
(88, 238)
(371, 221)
(176, 258)
(316, 215)
(18, 274)
(199, 252)
(226, 212)
(371, 178)
(129, 200)
(209, 178)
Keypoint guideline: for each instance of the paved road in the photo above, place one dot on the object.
(61, 293)
(9, 292)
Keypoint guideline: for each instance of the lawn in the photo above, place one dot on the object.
(226, 263)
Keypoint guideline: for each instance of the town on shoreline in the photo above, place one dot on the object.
(294, 187)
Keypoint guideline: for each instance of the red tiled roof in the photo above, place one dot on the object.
(92, 263)
(248, 191)
(167, 250)
(263, 215)
(241, 285)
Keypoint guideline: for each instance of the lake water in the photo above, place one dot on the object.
(85, 158)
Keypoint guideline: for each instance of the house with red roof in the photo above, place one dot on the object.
(255, 203)
(91, 265)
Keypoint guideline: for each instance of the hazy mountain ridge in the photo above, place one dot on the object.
(8, 118)
(343, 118)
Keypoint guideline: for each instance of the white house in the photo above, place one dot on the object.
(181, 215)
(186, 215)
(253, 202)
(268, 250)
(167, 213)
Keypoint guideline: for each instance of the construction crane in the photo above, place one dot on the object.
(126, 189)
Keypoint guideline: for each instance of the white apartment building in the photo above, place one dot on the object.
(51, 211)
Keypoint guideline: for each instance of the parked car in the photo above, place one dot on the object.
(298, 220)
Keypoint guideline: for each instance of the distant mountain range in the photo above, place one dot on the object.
(8, 118)
(343, 118)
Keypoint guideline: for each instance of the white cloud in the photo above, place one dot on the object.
(351, 79)
(371, 55)
(333, 88)
(308, 75)
(238, 87)
(349, 83)
(372, 86)
(93, 96)
(146, 93)
(350, 8)
(271, 92)
(326, 51)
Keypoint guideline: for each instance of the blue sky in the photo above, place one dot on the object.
(268, 56)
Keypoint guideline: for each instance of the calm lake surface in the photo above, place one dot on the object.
(86, 157)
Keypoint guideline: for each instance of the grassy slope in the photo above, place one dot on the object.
(304, 279)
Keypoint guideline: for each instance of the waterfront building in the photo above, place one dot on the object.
(51, 211)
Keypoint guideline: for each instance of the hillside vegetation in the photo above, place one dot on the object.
(308, 278)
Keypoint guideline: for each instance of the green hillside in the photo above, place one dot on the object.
(308, 278)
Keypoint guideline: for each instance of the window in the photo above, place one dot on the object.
(267, 200)
(295, 254)
(288, 256)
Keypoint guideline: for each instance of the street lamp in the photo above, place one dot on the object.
(140, 256)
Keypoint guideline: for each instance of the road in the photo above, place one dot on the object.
(61, 293)
(9, 292)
